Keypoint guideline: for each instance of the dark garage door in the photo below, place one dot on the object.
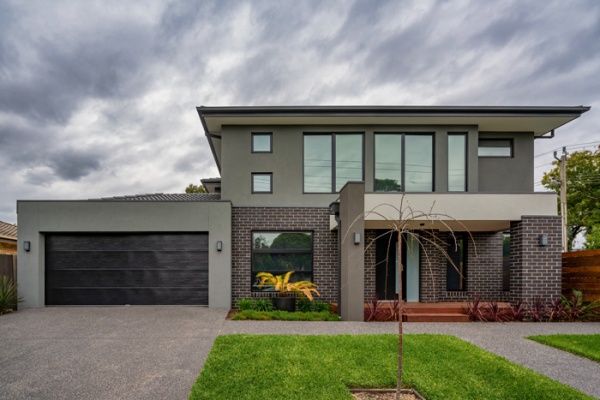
(117, 269)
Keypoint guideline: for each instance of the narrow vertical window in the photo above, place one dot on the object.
(457, 162)
(318, 159)
(418, 167)
(388, 163)
(456, 277)
(262, 143)
(262, 183)
(348, 159)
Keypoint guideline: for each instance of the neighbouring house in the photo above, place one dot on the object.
(8, 238)
(297, 189)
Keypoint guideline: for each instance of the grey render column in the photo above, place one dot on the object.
(352, 268)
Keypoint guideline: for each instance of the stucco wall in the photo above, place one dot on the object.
(286, 162)
(36, 218)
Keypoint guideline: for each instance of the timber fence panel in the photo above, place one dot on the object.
(8, 266)
(581, 271)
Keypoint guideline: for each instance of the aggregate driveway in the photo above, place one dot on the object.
(156, 352)
(105, 352)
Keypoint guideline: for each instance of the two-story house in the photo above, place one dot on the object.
(316, 190)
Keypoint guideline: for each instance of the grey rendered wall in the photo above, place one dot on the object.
(35, 218)
(504, 174)
(286, 162)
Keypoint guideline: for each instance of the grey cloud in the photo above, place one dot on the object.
(72, 165)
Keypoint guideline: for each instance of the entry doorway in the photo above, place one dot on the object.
(386, 258)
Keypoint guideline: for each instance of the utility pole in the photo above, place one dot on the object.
(563, 198)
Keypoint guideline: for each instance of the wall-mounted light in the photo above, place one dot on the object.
(219, 245)
(27, 245)
(543, 240)
(356, 237)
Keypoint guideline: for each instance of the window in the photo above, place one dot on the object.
(331, 160)
(506, 261)
(262, 183)
(280, 252)
(262, 143)
(457, 162)
(403, 162)
(495, 148)
(456, 277)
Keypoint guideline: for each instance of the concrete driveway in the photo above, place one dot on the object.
(105, 352)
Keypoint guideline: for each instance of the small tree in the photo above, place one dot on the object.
(195, 188)
(401, 225)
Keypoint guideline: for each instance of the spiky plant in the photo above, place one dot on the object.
(282, 284)
(8, 295)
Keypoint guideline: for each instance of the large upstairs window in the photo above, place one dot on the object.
(331, 160)
(403, 162)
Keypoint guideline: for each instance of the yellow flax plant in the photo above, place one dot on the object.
(283, 286)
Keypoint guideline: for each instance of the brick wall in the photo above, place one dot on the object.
(248, 219)
(370, 253)
(484, 268)
(535, 270)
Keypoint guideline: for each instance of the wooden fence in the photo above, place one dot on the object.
(8, 266)
(581, 271)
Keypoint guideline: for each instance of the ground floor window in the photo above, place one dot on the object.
(280, 252)
(457, 263)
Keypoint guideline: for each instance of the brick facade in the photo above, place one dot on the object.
(484, 267)
(248, 219)
(535, 270)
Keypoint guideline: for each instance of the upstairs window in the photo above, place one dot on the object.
(403, 162)
(280, 252)
(457, 162)
(331, 160)
(262, 142)
(495, 148)
(262, 182)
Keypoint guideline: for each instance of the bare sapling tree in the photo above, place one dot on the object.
(400, 219)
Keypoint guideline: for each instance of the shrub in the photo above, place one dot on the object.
(305, 305)
(246, 304)
(577, 309)
(8, 295)
(475, 310)
(518, 311)
(285, 316)
(263, 305)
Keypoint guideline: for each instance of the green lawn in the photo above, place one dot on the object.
(583, 345)
(323, 367)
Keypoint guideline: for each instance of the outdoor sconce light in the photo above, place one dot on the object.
(27, 245)
(543, 240)
(219, 245)
(356, 237)
(334, 208)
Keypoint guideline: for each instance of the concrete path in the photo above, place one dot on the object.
(157, 352)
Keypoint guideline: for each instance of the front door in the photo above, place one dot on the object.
(386, 258)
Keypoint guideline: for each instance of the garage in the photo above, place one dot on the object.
(126, 268)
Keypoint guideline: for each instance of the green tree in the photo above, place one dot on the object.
(195, 188)
(583, 192)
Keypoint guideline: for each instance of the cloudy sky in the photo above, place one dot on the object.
(98, 99)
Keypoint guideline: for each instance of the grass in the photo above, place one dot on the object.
(286, 316)
(324, 367)
(587, 346)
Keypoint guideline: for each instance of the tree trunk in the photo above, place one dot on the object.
(399, 272)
